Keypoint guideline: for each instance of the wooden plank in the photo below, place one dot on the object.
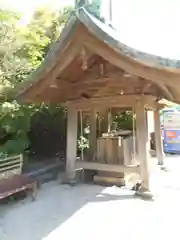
(10, 167)
(10, 163)
(112, 78)
(107, 167)
(111, 101)
(109, 180)
(15, 184)
(102, 85)
(10, 158)
(111, 153)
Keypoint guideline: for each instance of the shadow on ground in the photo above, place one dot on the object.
(88, 211)
(55, 204)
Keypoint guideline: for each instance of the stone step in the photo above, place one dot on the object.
(102, 180)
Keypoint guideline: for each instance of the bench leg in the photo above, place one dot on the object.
(34, 191)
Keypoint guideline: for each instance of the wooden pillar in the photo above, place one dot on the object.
(158, 138)
(71, 148)
(148, 131)
(142, 143)
(150, 120)
(92, 136)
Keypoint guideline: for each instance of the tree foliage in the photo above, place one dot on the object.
(124, 120)
(22, 49)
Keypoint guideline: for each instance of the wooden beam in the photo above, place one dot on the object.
(107, 167)
(113, 79)
(111, 101)
(104, 86)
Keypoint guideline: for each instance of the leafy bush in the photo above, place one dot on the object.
(124, 120)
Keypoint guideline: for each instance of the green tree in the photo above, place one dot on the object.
(10, 43)
(22, 49)
(124, 120)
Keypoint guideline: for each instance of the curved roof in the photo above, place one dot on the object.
(105, 41)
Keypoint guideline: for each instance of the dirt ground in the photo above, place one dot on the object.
(87, 212)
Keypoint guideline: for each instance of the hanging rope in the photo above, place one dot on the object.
(109, 120)
(81, 125)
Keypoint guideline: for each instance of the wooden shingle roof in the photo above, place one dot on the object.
(86, 36)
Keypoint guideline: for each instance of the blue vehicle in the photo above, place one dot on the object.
(170, 119)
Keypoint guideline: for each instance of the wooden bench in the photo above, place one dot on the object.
(11, 178)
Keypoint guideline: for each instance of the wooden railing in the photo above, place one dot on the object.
(10, 166)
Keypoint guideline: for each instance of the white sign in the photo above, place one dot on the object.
(172, 120)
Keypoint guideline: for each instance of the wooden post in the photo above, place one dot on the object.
(142, 143)
(71, 148)
(158, 138)
(92, 136)
(150, 121)
(148, 132)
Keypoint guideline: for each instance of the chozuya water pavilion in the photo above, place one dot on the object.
(89, 70)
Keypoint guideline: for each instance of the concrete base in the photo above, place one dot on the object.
(88, 175)
(69, 182)
(163, 168)
(152, 153)
(145, 194)
(65, 180)
(109, 180)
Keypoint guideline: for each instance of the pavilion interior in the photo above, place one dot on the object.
(89, 76)
(92, 85)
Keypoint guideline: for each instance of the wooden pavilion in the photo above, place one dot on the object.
(89, 69)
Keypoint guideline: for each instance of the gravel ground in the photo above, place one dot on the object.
(94, 212)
